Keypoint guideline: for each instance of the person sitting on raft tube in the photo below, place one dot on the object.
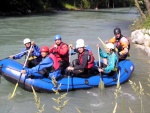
(83, 66)
(110, 59)
(35, 55)
(48, 67)
(61, 51)
(122, 44)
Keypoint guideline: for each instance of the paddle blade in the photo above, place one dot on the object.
(101, 84)
(14, 91)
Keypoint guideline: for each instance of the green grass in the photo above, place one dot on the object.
(141, 24)
(70, 7)
(146, 23)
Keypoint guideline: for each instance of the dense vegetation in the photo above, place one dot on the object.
(143, 7)
(22, 7)
(8, 7)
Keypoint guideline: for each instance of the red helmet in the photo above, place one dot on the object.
(44, 49)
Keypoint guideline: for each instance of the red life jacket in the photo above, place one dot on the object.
(62, 57)
(91, 59)
(56, 64)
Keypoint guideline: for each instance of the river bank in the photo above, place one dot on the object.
(141, 37)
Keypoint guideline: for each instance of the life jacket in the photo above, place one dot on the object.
(55, 61)
(31, 56)
(91, 59)
(62, 57)
(118, 44)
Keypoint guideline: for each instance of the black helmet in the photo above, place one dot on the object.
(117, 31)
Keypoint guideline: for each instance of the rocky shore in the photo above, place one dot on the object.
(142, 39)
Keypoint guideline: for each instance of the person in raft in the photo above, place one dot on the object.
(35, 55)
(110, 59)
(61, 51)
(122, 44)
(48, 67)
(83, 66)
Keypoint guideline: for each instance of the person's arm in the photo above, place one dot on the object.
(51, 49)
(20, 55)
(47, 62)
(84, 62)
(103, 54)
(111, 64)
(36, 51)
(112, 40)
(124, 43)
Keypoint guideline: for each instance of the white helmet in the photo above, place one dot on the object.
(79, 43)
(110, 46)
(27, 40)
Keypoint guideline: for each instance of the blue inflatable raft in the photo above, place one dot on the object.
(10, 70)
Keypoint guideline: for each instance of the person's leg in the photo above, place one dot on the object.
(78, 72)
(63, 66)
(75, 62)
(32, 63)
(122, 57)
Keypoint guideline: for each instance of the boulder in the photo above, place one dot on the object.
(142, 39)
(137, 37)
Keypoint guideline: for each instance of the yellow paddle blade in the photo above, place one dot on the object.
(14, 91)
(101, 84)
(102, 42)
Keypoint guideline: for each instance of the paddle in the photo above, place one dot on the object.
(14, 55)
(69, 65)
(19, 53)
(101, 83)
(102, 42)
(21, 74)
(105, 44)
(4, 58)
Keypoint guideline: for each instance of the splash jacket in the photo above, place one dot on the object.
(86, 60)
(48, 62)
(112, 60)
(34, 55)
(61, 52)
(122, 44)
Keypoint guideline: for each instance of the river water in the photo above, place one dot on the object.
(72, 25)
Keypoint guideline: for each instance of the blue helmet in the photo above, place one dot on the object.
(57, 37)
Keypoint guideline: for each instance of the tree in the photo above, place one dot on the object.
(139, 8)
(147, 3)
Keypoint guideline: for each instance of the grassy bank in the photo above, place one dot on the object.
(70, 7)
(141, 24)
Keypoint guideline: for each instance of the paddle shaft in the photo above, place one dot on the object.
(14, 55)
(69, 56)
(69, 65)
(25, 62)
(20, 74)
(101, 83)
(4, 58)
(99, 61)
(99, 58)
(102, 42)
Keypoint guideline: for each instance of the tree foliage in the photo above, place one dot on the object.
(144, 8)
(33, 6)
